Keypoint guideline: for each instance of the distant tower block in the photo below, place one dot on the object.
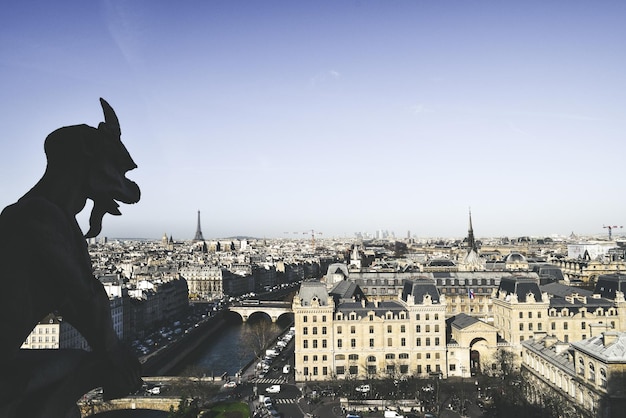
(198, 236)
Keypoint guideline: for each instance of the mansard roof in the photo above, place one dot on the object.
(571, 297)
(379, 308)
(313, 289)
(338, 268)
(609, 284)
(520, 286)
(346, 290)
(417, 289)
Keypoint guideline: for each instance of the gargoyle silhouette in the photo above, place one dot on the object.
(45, 267)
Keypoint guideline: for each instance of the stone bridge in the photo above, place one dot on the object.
(273, 309)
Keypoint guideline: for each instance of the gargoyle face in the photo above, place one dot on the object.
(107, 182)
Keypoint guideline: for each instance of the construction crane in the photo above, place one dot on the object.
(610, 228)
(312, 232)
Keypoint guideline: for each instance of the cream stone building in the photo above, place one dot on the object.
(583, 379)
(338, 338)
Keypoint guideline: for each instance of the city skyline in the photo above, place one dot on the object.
(338, 117)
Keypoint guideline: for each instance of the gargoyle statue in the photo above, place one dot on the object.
(45, 268)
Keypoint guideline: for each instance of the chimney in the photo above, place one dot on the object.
(609, 338)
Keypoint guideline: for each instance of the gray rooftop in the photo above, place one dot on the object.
(609, 347)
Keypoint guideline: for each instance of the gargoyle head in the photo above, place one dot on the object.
(100, 160)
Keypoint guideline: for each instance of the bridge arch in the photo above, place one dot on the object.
(272, 309)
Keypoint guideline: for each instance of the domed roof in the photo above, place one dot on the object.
(515, 258)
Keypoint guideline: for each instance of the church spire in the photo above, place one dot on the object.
(471, 241)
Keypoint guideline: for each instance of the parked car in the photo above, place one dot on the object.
(363, 388)
(230, 384)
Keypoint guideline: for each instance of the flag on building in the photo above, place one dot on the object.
(470, 293)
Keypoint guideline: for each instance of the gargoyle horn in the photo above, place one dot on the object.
(111, 123)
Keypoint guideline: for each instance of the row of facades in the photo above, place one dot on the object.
(448, 324)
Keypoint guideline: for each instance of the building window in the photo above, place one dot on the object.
(339, 343)
(436, 328)
(583, 325)
(371, 342)
(324, 344)
(324, 357)
(304, 318)
(418, 328)
(418, 342)
(564, 325)
(452, 367)
(314, 318)
(371, 330)
(403, 356)
(417, 317)
(521, 327)
(305, 343)
(314, 359)
(389, 329)
(306, 371)
(305, 331)
(352, 329)
(323, 318)
(539, 326)
(403, 342)
(389, 342)
(371, 369)
(603, 378)
(581, 366)
(354, 370)
(402, 328)
(314, 330)
(427, 341)
(353, 357)
(436, 340)
(592, 372)
(390, 356)
(352, 342)
(404, 368)
(323, 330)
(315, 371)
(339, 330)
(340, 370)
(305, 358)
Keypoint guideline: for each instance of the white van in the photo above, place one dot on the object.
(286, 368)
(393, 414)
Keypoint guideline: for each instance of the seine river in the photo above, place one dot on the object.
(232, 348)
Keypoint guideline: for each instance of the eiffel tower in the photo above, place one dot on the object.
(198, 236)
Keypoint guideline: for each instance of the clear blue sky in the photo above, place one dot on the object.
(337, 116)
